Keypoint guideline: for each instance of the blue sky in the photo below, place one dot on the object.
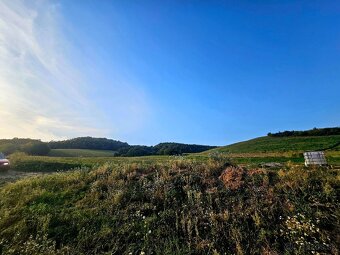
(206, 72)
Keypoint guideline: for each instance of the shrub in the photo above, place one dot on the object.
(28, 146)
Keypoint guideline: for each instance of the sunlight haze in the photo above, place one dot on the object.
(152, 72)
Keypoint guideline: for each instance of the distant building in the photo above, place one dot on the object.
(315, 158)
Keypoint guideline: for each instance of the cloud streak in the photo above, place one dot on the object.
(41, 94)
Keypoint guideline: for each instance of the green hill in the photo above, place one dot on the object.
(89, 143)
(282, 144)
(77, 147)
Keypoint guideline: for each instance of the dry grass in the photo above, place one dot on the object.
(174, 207)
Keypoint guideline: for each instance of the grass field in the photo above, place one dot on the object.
(252, 152)
(24, 163)
(172, 206)
(333, 157)
(21, 162)
(80, 153)
(280, 144)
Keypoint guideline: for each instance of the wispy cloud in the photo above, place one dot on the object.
(41, 94)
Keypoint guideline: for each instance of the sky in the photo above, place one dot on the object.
(144, 72)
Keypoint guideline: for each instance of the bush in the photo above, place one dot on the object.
(36, 148)
(28, 146)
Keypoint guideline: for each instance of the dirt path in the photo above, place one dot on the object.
(11, 176)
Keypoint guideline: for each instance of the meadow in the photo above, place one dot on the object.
(221, 201)
(281, 144)
(80, 153)
(177, 206)
(24, 163)
(253, 152)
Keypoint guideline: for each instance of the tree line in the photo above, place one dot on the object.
(125, 150)
(162, 149)
(90, 143)
(311, 132)
(26, 145)
(37, 147)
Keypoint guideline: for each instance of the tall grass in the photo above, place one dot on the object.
(24, 163)
(173, 207)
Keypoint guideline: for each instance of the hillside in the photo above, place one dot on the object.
(80, 144)
(90, 143)
(177, 207)
(281, 144)
(95, 147)
(162, 149)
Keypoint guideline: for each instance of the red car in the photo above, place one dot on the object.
(4, 163)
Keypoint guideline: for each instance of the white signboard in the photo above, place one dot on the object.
(315, 158)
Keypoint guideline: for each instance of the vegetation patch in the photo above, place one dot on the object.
(232, 177)
(172, 207)
(80, 153)
(28, 146)
(281, 144)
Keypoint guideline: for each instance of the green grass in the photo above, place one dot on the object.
(80, 153)
(252, 152)
(170, 206)
(174, 205)
(333, 158)
(20, 162)
(280, 144)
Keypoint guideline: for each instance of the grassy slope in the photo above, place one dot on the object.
(80, 153)
(174, 207)
(280, 144)
(279, 149)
